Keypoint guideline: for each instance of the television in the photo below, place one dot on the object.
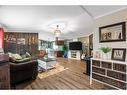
(75, 45)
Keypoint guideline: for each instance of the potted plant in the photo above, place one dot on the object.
(105, 51)
(65, 51)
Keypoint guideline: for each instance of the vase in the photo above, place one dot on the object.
(105, 56)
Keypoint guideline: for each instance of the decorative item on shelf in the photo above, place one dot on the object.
(105, 51)
(83, 56)
(119, 54)
(96, 54)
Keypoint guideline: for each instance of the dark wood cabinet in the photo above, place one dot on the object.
(59, 53)
(59, 42)
(4, 72)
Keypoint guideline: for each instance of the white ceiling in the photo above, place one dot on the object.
(78, 19)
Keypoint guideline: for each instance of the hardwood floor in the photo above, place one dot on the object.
(72, 78)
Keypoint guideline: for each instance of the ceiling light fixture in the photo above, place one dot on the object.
(57, 32)
(61, 25)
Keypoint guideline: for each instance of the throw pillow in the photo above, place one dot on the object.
(23, 56)
(22, 60)
(17, 56)
(12, 59)
(10, 54)
(28, 54)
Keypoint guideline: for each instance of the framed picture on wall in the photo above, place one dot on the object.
(119, 54)
(113, 33)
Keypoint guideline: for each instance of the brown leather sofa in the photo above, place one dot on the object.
(23, 71)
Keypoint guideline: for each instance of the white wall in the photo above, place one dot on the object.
(107, 20)
(47, 37)
(0, 25)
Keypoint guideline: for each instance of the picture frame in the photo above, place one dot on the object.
(118, 54)
(113, 33)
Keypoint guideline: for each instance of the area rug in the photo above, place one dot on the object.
(58, 68)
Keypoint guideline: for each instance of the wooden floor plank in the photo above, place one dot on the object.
(71, 78)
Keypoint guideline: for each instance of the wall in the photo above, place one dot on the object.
(66, 42)
(43, 45)
(107, 20)
(46, 36)
(1, 38)
(85, 44)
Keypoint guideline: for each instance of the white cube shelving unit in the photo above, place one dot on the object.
(74, 54)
